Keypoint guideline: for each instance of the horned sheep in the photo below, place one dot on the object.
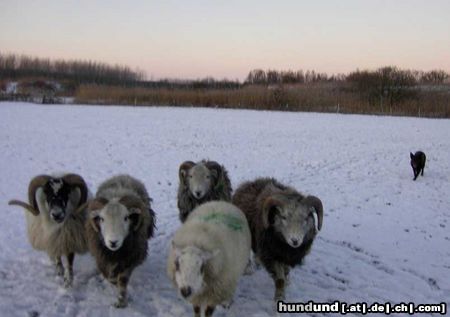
(120, 221)
(199, 183)
(54, 223)
(209, 253)
(283, 225)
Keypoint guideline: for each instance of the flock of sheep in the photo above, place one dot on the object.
(208, 253)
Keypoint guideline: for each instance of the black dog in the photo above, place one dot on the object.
(418, 163)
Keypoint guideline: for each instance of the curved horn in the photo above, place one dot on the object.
(24, 205)
(316, 203)
(134, 206)
(268, 210)
(184, 168)
(35, 183)
(93, 206)
(214, 166)
(76, 180)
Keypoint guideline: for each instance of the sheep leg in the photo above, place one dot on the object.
(68, 273)
(286, 273)
(196, 311)
(59, 268)
(209, 311)
(279, 277)
(122, 283)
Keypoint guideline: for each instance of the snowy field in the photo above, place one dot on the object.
(385, 237)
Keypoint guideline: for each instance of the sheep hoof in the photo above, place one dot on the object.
(250, 268)
(59, 269)
(67, 283)
(227, 304)
(121, 303)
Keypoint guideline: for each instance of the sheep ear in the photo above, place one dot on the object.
(271, 208)
(411, 155)
(316, 207)
(184, 168)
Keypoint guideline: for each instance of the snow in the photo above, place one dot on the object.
(385, 238)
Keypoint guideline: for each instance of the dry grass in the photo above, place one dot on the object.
(322, 97)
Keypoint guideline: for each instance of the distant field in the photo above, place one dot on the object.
(385, 237)
(426, 101)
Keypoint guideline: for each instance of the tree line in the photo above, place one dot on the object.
(14, 66)
(390, 73)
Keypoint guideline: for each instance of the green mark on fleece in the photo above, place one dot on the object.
(232, 222)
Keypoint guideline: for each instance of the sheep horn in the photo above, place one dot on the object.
(269, 204)
(184, 167)
(134, 206)
(215, 167)
(76, 180)
(24, 205)
(94, 205)
(35, 183)
(316, 203)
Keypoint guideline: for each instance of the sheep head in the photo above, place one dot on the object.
(292, 216)
(54, 194)
(200, 178)
(190, 264)
(114, 218)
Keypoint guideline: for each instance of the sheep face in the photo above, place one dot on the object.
(199, 180)
(189, 270)
(291, 220)
(114, 222)
(55, 197)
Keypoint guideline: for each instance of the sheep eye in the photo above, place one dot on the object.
(190, 176)
(208, 177)
(126, 218)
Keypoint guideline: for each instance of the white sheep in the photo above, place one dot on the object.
(208, 255)
(54, 224)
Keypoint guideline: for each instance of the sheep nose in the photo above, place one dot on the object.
(198, 193)
(294, 241)
(113, 244)
(186, 291)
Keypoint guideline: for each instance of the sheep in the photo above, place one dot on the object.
(283, 225)
(201, 182)
(55, 224)
(120, 221)
(208, 254)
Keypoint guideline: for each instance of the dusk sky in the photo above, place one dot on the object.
(193, 39)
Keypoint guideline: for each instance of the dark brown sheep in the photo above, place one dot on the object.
(121, 202)
(199, 183)
(283, 225)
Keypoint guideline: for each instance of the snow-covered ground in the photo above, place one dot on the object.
(385, 237)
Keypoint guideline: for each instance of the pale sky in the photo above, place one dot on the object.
(194, 39)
